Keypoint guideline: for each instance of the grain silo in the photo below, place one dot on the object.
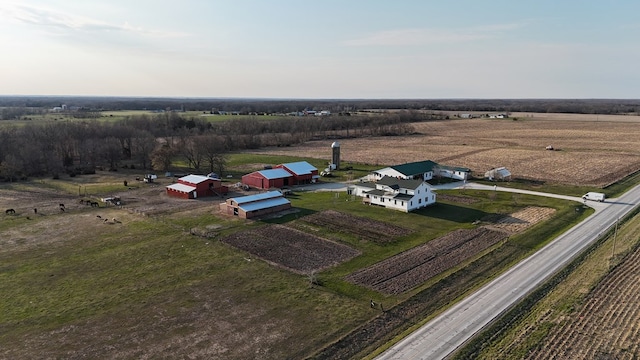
(335, 154)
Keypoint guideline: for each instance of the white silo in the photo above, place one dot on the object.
(335, 154)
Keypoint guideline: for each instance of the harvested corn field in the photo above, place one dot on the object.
(594, 153)
(291, 249)
(364, 228)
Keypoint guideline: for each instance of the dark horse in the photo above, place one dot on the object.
(10, 211)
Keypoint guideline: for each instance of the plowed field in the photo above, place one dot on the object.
(411, 268)
(607, 326)
(364, 228)
(521, 220)
(291, 249)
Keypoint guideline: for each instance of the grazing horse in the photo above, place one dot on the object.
(95, 204)
(10, 211)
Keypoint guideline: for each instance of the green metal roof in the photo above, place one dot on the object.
(415, 168)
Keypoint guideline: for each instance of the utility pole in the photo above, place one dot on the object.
(615, 234)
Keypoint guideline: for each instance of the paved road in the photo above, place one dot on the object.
(447, 332)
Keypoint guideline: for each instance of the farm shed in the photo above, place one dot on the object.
(302, 171)
(266, 179)
(194, 186)
(398, 194)
(452, 172)
(422, 170)
(247, 207)
(500, 173)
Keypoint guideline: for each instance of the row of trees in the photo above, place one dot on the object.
(585, 106)
(155, 142)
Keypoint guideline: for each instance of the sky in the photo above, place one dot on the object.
(328, 49)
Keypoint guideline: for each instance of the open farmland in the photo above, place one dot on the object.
(292, 249)
(411, 268)
(363, 228)
(606, 326)
(594, 153)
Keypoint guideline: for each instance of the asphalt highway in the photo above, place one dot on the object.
(447, 332)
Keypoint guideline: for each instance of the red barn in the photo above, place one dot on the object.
(302, 171)
(267, 179)
(194, 186)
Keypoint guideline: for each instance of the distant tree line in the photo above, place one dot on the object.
(248, 106)
(155, 141)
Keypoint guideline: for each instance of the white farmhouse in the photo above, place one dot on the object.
(398, 194)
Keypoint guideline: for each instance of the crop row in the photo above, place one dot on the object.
(411, 268)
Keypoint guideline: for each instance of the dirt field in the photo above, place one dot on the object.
(292, 249)
(588, 152)
(606, 326)
(365, 229)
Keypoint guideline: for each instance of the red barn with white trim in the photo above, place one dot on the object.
(194, 186)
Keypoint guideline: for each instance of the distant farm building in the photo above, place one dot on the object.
(247, 207)
(452, 172)
(398, 194)
(195, 186)
(500, 173)
(282, 175)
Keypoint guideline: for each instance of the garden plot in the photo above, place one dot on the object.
(292, 249)
(523, 219)
(413, 267)
(364, 228)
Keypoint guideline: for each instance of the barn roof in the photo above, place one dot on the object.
(195, 179)
(278, 173)
(257, 197)
(300, 167)
(264, 204)
(181, 187)
(415, 168)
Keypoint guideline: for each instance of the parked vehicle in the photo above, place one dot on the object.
(594, 196)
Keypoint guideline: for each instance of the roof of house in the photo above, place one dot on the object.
(300, 167)
(415, 168)
(400, 183)
(376, 192)
(265, 204)
(277, 173)
(257, 197)
(195, 179)
(181, 187)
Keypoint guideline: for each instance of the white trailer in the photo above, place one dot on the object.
(594, 196)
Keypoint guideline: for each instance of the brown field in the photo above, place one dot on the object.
(521, 220)
(607, 326)
(590, 152)
(292, 249)
(411, 268)
(364, 228)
